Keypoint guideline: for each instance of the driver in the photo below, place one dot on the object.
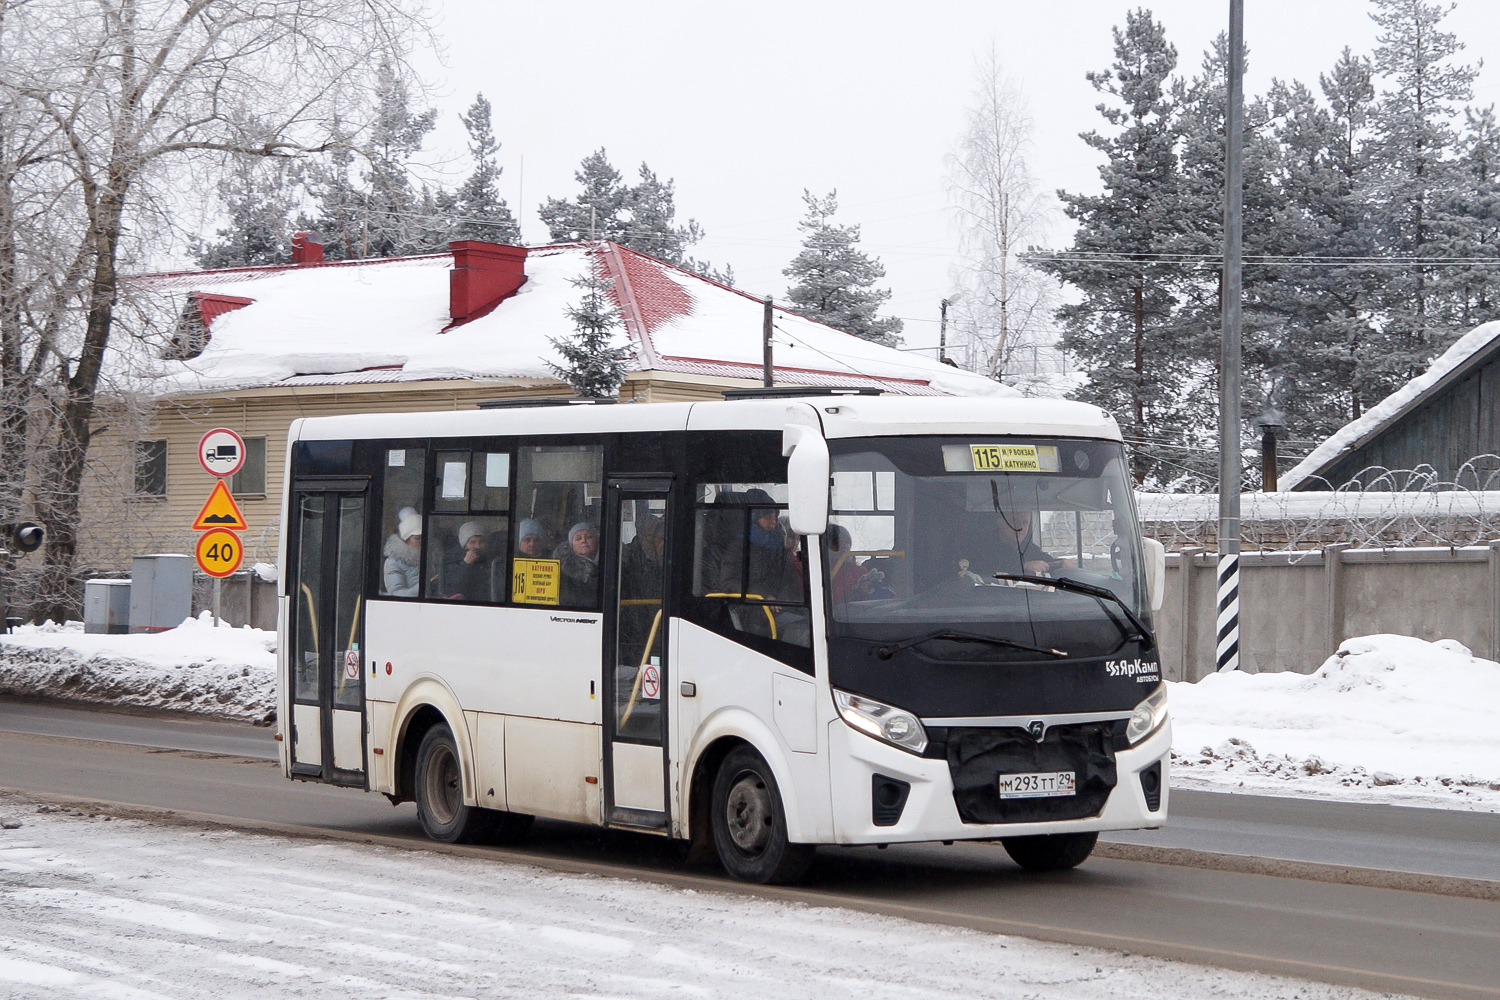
(1019, 553)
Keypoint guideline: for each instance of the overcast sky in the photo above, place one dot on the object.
(747, 104)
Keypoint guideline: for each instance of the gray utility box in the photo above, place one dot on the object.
(161, 592)
(106, 606)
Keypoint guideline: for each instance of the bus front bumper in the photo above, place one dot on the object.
(930, 812)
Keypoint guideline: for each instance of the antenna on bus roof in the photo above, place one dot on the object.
(795, 391)
(508, 404)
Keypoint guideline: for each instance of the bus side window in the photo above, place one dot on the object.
(744, 557)
(467, 547)
(401, 509)
(559, 511)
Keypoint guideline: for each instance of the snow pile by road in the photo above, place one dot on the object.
(97, 907)
(1386, 718)
(228, 672)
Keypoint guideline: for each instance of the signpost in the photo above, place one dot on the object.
(220, 552)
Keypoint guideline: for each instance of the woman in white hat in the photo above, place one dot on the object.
(402, 572)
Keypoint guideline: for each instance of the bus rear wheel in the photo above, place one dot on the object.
(440, 793)
(1050, 852)
(749, 823)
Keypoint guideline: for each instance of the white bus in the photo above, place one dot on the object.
(759, 625)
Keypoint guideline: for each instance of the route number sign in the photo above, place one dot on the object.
(221, 452)
(219, 552)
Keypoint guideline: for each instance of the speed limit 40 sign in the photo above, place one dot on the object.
(219, 552)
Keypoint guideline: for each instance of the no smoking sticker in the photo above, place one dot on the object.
(351, 664)
(651, 681)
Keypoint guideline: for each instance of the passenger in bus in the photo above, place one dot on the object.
(851, 580)
(531, 540)
(466, 573)
(402, 572)
(640, 563)
(580, 565)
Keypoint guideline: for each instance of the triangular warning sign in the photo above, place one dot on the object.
(220, 511)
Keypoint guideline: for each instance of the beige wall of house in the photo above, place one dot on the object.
(118, 523)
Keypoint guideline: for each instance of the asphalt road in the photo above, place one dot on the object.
(1379, 938)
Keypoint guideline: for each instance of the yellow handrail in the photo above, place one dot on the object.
(754, 597)
(640, 671)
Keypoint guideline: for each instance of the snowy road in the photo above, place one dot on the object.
(108, 908)
(1393, 940)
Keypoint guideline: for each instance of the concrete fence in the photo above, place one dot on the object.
(1297, 607)
(244, 599)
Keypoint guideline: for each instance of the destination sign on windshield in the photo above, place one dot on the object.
(1000, 458)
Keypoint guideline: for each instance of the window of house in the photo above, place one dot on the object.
(151, 468)
(251, 479)
(559, 511)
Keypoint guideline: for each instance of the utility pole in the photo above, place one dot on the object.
(767, 378)
(943, 331)
(1230, 459)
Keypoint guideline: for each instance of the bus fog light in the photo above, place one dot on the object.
(1148, 716)
(882, 721)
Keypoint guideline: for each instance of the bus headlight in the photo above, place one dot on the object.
(1148, 716)
(882, 721)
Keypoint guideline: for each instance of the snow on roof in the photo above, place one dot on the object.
(1376, 419)
(384, 320)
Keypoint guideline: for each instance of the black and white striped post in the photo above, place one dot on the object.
(1230, 460)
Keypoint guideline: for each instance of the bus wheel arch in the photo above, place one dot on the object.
(700, 798)
(425, 704)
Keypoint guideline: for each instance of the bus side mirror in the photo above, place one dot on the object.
(807, 473)
(1156, 571)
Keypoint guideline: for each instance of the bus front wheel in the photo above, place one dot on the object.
(749, 823)
(440, 793)
(1050, 852)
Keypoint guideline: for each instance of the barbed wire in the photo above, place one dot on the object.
(1378, 508)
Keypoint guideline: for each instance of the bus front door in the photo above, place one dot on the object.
(327, 632)
(635, 658)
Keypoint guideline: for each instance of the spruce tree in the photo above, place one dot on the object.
(258, 195)
(1121, 330)
(833, 281)
(476, 210)
(593, 364)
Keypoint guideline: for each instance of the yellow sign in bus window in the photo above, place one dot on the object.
(1013, 457)
(536, 581)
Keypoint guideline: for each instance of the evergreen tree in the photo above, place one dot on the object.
(834, 281)
(593, 364)
(642, 217)
(476, 210)
(1413, 122)
(258, 195)
(1121, 330)
(1468, 225)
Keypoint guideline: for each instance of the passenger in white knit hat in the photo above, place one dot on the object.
(466, 574)
(402, 571)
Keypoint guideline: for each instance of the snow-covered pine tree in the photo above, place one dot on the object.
(653, 220)
(258, 196)
(598, 213)
(833, 281)
(1468, 225)
(593, 363)
(476, 210)
(1121, 328)
(1415, 139)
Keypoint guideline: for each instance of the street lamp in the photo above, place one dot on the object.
(1270, 421)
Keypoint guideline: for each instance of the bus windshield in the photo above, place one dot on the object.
(921, 526)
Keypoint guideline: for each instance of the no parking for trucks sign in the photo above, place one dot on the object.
(221, 452)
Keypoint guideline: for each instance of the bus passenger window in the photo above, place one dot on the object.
(745, 556)
(466, 558)
(401, 520)
(559, 510)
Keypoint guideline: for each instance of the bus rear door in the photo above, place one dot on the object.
(327, 631)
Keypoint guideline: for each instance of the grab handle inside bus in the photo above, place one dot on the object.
(807, 474)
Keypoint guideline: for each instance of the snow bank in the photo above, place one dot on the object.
(1386, 718)
(228, 672)
(97, 907)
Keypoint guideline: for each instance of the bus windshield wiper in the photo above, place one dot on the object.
(1142, 633)
(886, 652)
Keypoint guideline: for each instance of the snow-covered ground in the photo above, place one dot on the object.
(229, 672)
(92, 907)
(1387, 718)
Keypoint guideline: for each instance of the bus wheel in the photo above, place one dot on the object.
(749, 823)
(1050, 852)
(440, 792)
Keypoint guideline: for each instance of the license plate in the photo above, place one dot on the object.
(1040, 785)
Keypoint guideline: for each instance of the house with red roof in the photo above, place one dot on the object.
(253, 348)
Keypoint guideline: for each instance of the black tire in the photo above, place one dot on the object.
(1050, 852)
(440, 793)
(749, 823)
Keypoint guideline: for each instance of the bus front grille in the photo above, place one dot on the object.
(978, 757)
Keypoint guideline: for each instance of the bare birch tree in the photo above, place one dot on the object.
(105, 105)
(1001, 304)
